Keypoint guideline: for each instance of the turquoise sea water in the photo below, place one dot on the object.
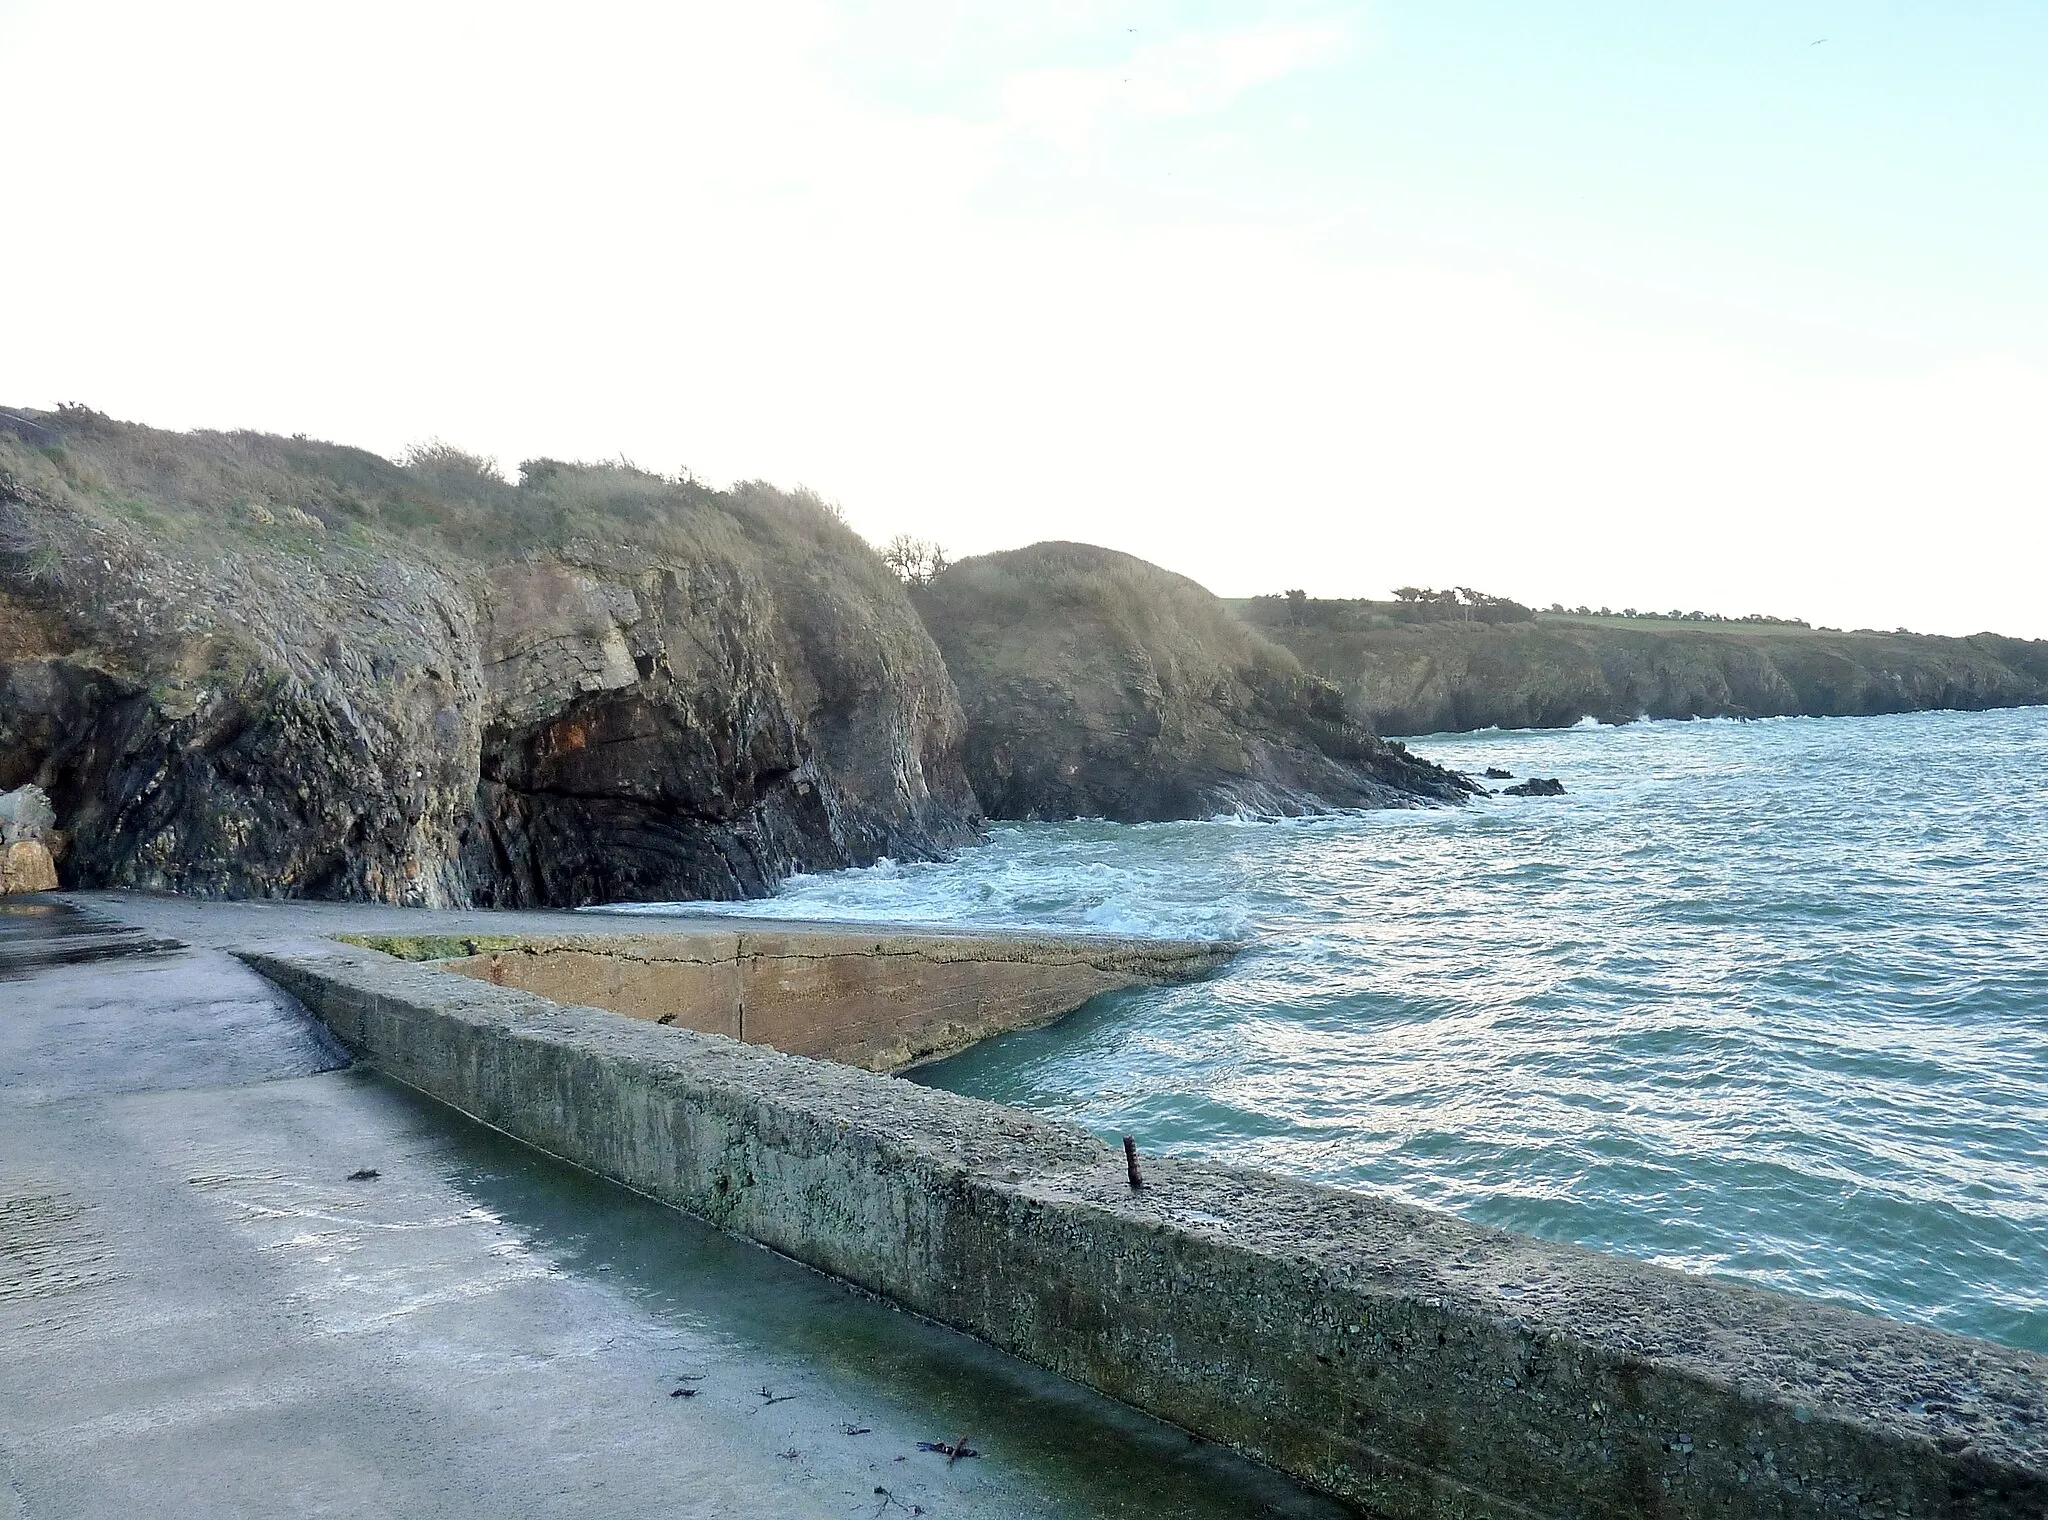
(1767, 1000)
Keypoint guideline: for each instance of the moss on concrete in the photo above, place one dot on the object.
(432, 947)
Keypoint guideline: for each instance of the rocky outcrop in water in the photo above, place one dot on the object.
(1097, 685)
(253, 666)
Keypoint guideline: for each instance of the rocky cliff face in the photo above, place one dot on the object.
(1553, 671)
(255, 666)
(1097, 685)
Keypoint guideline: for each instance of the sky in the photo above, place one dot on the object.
(1738, 307)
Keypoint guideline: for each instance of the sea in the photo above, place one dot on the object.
(1765, 1000)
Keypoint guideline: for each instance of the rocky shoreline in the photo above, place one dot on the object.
(250, 666)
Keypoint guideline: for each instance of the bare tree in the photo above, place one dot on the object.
(916, 560)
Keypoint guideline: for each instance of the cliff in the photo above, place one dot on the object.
(1551, 670)
(255, 666)
(1097, 685)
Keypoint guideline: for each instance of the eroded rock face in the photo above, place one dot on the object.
(249, 726)
(704, 730)
(1097, 685)
(251, 666)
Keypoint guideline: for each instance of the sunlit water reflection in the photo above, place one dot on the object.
(1762, 999)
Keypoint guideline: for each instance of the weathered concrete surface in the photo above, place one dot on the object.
(1403, 1360)
(201, 1315)
(882, 1000)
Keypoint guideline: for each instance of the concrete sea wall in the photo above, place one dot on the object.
(1410, 1363)
(882, 1000)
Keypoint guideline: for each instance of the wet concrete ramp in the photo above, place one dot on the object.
(238, 1278)
(39, 932)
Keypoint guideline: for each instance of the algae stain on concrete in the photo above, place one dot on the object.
(431, 947)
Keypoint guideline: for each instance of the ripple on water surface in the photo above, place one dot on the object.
(1762, 999)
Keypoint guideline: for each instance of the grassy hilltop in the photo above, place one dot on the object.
(1417, 668)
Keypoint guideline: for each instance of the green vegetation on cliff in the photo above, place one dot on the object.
(1438, 672)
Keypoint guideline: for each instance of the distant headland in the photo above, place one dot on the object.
(1447, 662)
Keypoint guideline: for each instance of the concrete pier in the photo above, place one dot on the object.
(1409, 1363)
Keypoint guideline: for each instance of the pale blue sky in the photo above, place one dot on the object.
(1833, 182)
(1629, 304)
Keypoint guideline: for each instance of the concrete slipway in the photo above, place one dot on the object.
(201, 1315)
